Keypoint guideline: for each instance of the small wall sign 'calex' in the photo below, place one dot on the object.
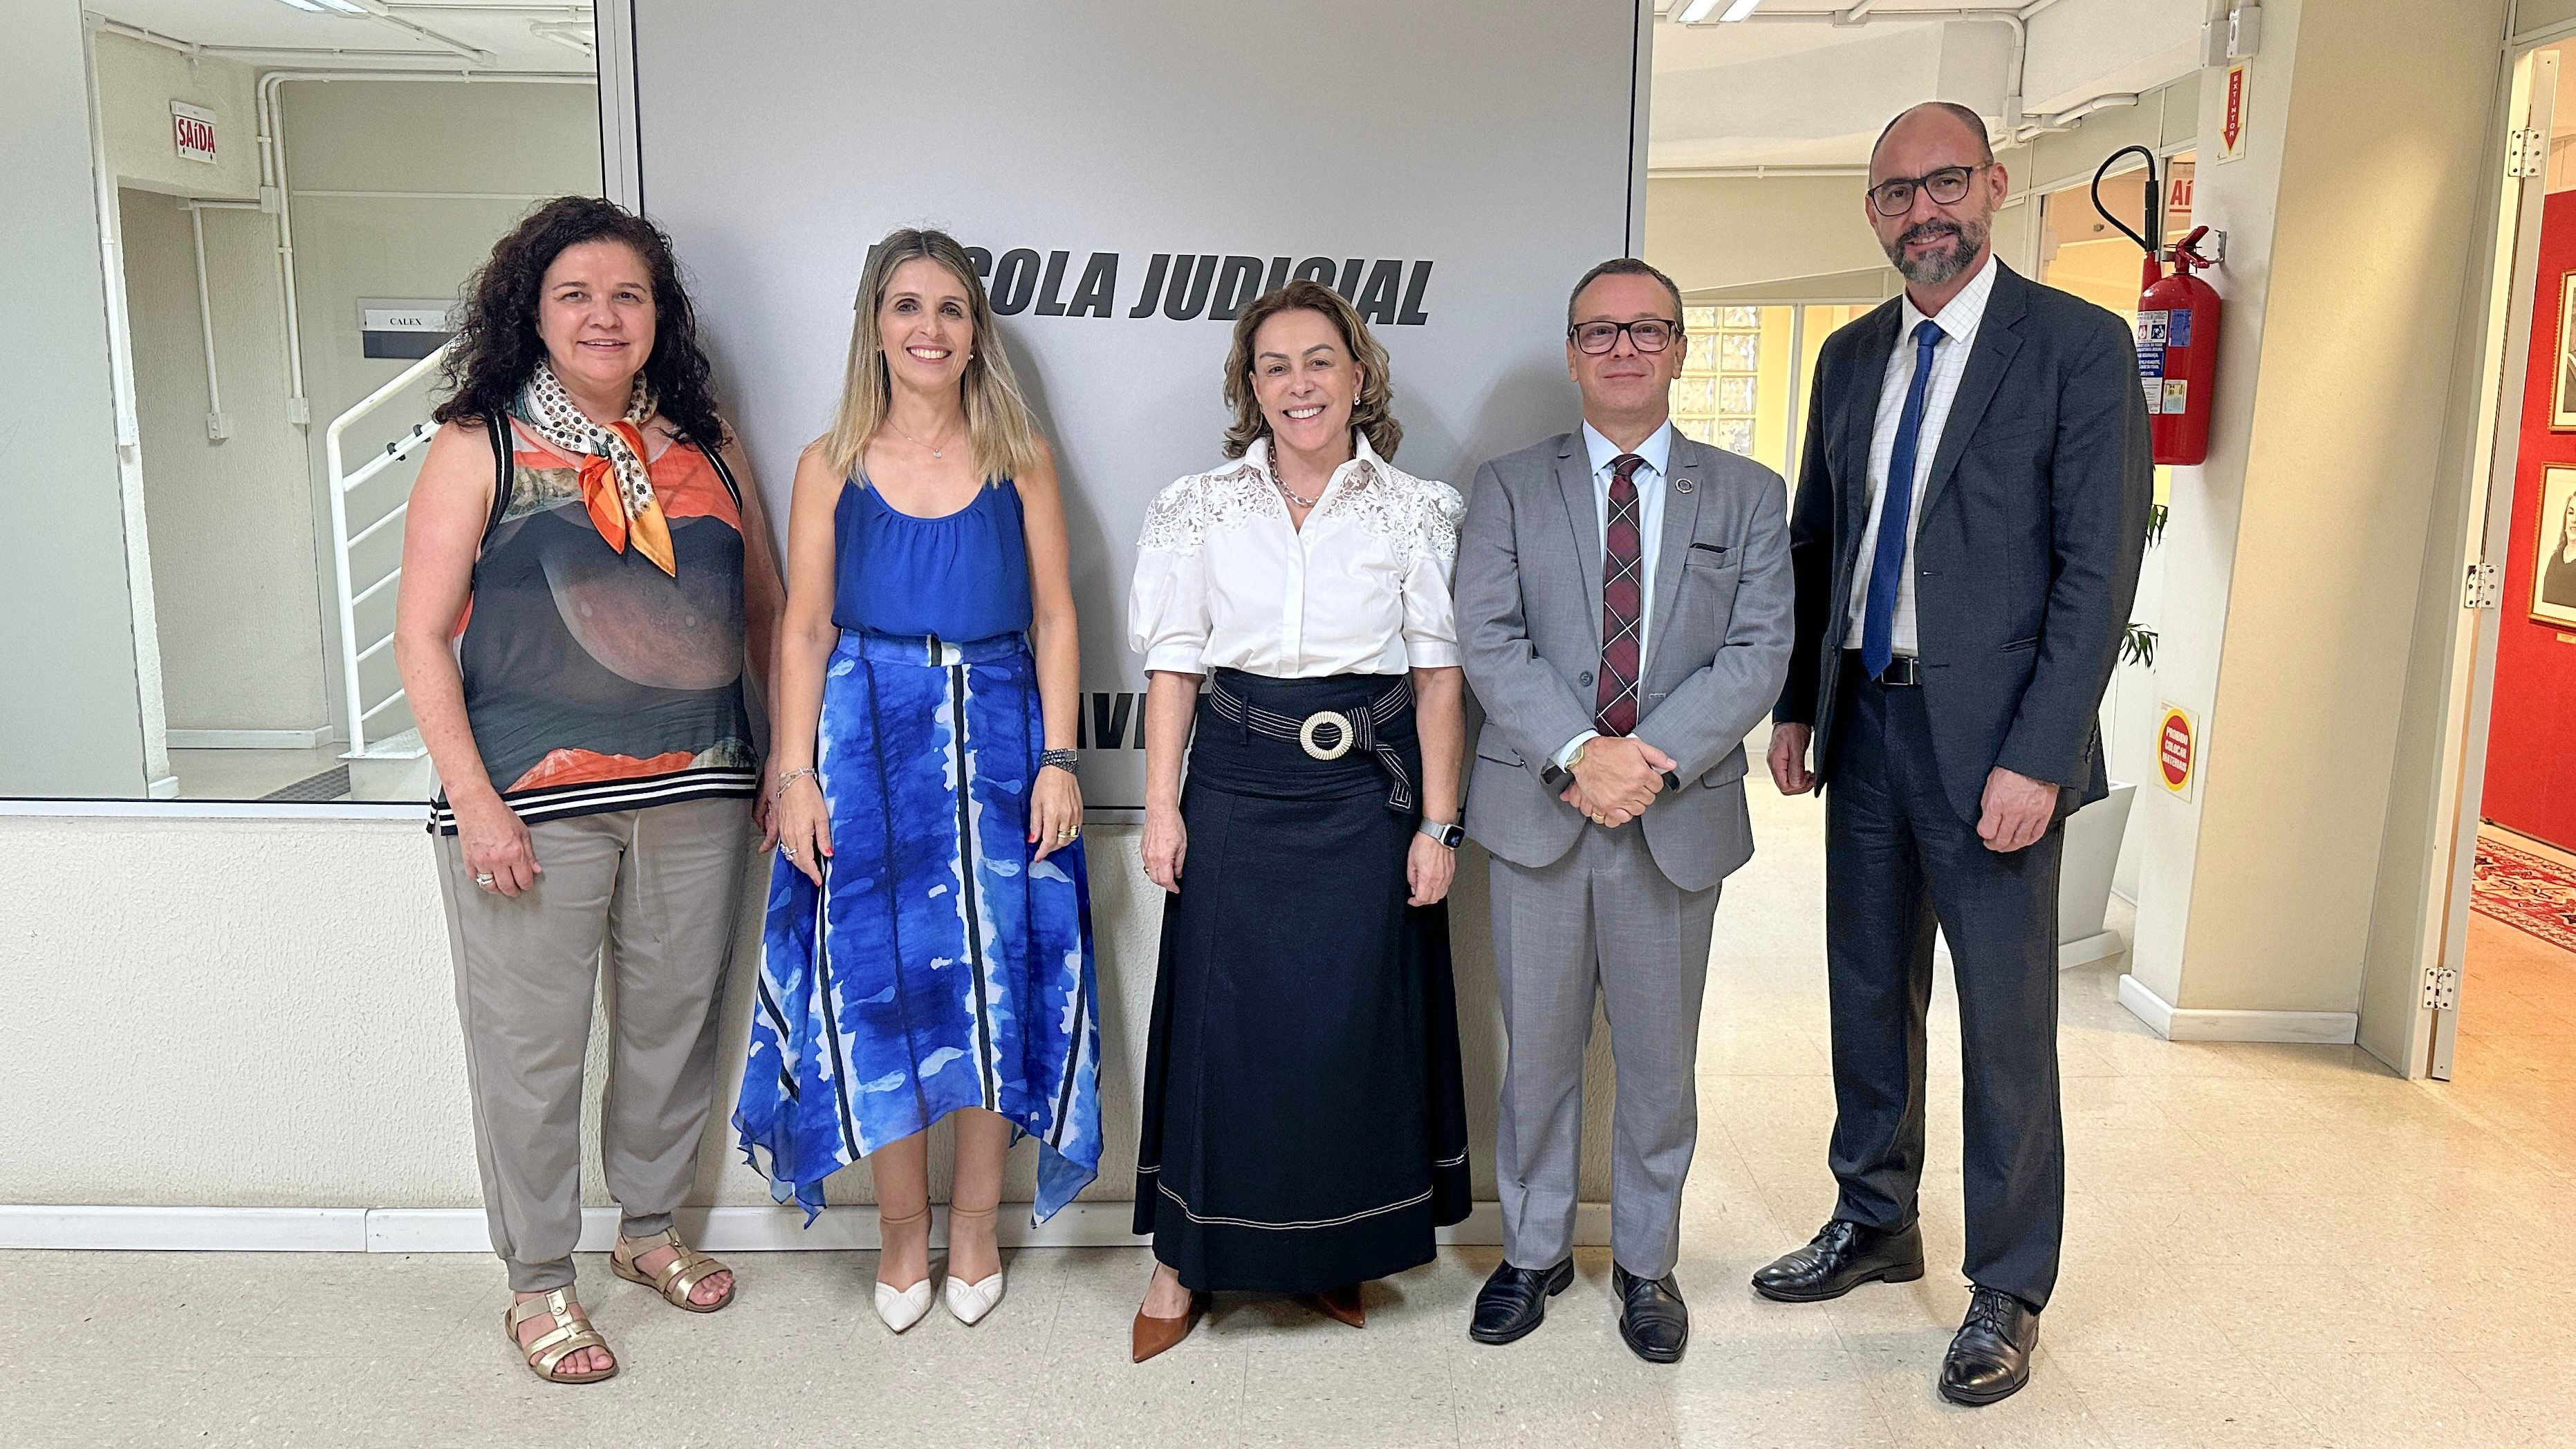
(192, 130)
(389, 327)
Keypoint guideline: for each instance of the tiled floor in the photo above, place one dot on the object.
(246, 774)
(2269, 1245)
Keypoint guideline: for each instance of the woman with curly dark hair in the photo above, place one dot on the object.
(584, 563)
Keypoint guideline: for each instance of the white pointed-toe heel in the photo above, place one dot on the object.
(901, 1308)
(971, 1301)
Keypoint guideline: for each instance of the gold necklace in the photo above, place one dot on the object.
(1293, 496)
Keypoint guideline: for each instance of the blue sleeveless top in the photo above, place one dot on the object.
(962, 576)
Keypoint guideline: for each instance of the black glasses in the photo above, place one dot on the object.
(1946, 187)
(1653, 334)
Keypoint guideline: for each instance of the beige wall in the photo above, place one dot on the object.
(2532, 15)
(291, 980)
(2292, 557)
(1713, 232)
(239, 604)
(399, 189)
(138, 81)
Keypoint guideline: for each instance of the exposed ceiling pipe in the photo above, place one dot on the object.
(2019, 128)
(2066, 120)
(272, 175)
(382, 13)
(577, 35)
(1755, 173)
(290, 55)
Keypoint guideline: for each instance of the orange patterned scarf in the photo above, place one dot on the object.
(616, 486)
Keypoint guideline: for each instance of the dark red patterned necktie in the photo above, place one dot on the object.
(1623, 603)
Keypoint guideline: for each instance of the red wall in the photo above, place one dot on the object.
(2531, 741)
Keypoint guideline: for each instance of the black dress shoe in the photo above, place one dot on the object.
(1843, 1256)
(1652, 1317)
(1514, 1300)
(1990, 1357)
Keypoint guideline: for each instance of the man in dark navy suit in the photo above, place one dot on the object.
(1972, 503)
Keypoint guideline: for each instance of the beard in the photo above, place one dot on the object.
(1968, 239)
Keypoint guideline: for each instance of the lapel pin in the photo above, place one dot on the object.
(1683, 486)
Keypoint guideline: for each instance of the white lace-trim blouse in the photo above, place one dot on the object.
(1223, 580)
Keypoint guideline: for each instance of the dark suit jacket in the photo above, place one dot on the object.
(2026, 550)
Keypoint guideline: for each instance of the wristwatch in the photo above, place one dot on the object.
(1442, 831)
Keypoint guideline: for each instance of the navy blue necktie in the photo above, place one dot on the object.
(1887, 560)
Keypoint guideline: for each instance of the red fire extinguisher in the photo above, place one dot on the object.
(2177, 329)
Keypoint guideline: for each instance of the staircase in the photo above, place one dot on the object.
(395, 766)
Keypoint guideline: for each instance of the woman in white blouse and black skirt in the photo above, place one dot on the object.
(1304, 1126)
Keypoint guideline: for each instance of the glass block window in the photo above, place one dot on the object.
(1714, 399)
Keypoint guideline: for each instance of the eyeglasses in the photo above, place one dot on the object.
(1895, 196)
(1652, 334)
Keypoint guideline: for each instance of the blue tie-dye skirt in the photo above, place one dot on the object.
(938, 966)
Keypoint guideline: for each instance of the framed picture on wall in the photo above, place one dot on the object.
(2562, 389)
(2553, 546)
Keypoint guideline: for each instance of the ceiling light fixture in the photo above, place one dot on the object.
(327, 7)
(1693, 12)
(1740, 10)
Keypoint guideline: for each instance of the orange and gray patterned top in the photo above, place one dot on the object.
(594, 680)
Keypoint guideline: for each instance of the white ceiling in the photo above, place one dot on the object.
(1792, 87)
(482, 35)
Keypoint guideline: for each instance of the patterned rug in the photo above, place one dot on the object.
(2528, 892)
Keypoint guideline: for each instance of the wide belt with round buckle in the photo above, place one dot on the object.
(1311, 733)
(1329, 734)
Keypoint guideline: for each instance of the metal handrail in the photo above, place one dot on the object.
(352, 654)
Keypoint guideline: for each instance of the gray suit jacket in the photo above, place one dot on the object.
(1528, 593)
(2025, 551)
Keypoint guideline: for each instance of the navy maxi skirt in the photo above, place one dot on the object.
(938, 966)
(1305, 1125)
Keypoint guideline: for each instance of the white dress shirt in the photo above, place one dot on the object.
(1958, 322)
(1225, 581)
(1651, 480)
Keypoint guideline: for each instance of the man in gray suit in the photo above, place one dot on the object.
(1972, 502)
(1623, 600)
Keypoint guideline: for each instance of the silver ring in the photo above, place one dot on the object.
(787, 850)
(1320, 718)
(483, 880)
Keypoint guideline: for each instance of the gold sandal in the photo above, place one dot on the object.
(676, 1279)
(571, 1334)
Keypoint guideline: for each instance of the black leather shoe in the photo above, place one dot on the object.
(1843, 1256)
(1514, 1300)
(1652, 1317)
(1990, 1357)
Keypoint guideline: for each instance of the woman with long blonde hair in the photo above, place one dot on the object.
(928, 942)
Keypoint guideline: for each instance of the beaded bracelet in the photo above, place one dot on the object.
(1069, 761)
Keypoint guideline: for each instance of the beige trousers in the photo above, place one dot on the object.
(658, 889)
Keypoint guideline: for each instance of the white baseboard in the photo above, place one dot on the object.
(716, 1229)
(186, 1229)
(2175, 1023)
(2085, 950)
(313, 738)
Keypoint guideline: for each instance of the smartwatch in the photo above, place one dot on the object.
(1447, 834)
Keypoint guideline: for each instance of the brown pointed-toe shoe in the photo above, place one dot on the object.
(1342, 1305)
(1152, 1335)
